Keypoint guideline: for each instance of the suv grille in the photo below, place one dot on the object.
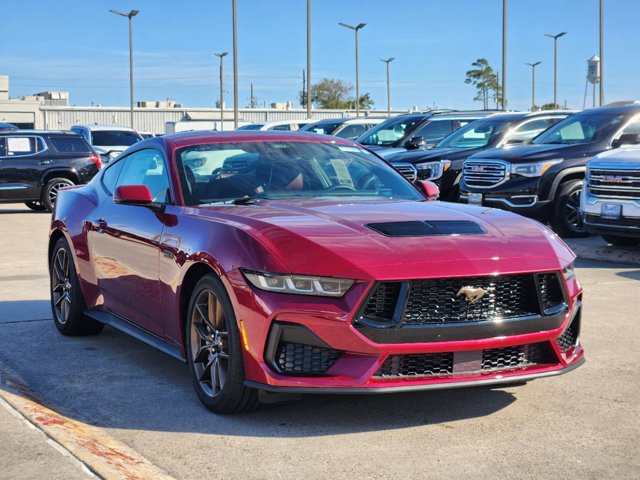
(622, 184)
(484, 174)
(475, 362)
(407, 170)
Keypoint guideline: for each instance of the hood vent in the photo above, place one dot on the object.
(427, 228)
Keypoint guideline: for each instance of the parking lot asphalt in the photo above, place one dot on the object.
(585, 424)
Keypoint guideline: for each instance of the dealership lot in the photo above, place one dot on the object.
(582, 425)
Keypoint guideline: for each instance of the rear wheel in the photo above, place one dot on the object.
(214, 350)
(36, 206)
(51, 189)
(566, 219)
(67, 305)
(621, 241)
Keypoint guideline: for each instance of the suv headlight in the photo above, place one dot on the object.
(298, 284)
(534, 169)
(569, 272)
(432, 170)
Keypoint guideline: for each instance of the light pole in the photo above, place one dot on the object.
(130, 16)
(388, 61)
(235, 65)
(601, 53)
(504, 54)
(356, 29)
(308, 59)
(555, 65)
(533, 84)
(221, 56)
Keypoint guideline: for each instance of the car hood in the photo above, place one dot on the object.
(623, 158)
(331, 238)
(438, 153)
(531, 153)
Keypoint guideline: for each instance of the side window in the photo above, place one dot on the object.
(3, 147)
(434, 130)
(22, 146)
(352, 131)
(282, 127)
(528, 130)
(146, 167)
(110, 175)
(633, 128)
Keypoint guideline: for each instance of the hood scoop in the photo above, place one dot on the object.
(427, 228)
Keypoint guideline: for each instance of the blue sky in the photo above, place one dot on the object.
(76, 45)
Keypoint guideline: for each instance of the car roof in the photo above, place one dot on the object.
(104, 127)
(635, 108)
(185, 139)
(38, 132)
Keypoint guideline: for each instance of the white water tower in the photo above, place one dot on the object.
(593, 77)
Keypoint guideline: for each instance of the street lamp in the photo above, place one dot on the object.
(221, 56)
(235, 65)
(355, 29)
(601, 53)
(308, 99)
(388, 61)
(533, 84)
(504, 54)
(555, 64)
(130, 16)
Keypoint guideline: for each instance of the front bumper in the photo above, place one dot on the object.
(626, 225)
(310, 345)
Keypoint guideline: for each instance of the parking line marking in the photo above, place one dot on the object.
(90, 448)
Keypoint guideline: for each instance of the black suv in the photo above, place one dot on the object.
(443, 164)
(543, 180)
(414, 131)
(34, 165)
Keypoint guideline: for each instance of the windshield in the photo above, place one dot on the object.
(581, 128)
(325, 128)
(389, 132)
(114, 138)
(476, 134)
(219, 172)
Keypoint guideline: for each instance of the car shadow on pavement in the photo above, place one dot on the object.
(114, 381)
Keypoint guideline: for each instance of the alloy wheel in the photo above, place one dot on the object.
(571, 212)
(62, 286)
(53, 190)
(209, 339)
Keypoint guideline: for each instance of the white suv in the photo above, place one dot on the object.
(108, 140)
(610, 199)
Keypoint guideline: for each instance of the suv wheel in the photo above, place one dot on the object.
(50, 192)
(36, 206)
(621, 241)
(566, 219)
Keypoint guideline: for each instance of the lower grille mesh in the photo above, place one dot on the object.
(299, 359)
(569, 338)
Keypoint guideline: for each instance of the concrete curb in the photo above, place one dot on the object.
(595, 248)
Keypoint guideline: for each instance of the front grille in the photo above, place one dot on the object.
(300, 359)
(619, 184)
(569, 338)
(382, 302)
(407, 170)
(620, 222)
(484, 174)
(443, 300)
(477, 362)
(550, 290)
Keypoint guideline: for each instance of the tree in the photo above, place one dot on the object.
(485, 80)
(332, 93)
(550, 106)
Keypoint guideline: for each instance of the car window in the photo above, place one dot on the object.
(389, 132)
(281, 127)
(434, 130)
(352, 131)
(476, 134)
(581, 128)
(3, 149)
(528, 130)
(146, 167)
(70, 144)
(633, 128)
(22, 146)
(110, 175)
(114, 138)
(321, 128)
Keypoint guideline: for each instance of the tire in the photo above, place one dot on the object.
(50, 192)
(35, 206)
(621, 241)
(214, 350)
(565, 219)
(67, 305)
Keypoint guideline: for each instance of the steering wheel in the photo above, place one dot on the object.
(367, 181)
(347, 188)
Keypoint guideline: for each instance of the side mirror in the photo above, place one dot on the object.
(430, 189)
(415, 143)
(133, 195)
(626, 139)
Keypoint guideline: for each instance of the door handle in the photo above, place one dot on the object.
(45, 162)
(100, 225)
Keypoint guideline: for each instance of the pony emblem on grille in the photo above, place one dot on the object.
(474, 294)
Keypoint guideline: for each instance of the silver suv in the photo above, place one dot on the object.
(610, 199)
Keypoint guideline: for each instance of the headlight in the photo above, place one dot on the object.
(568, 272)
(298, 284)
(535, 169)
(432, 170)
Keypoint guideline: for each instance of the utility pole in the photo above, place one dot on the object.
(356, 29)
(601, 53)
(388, 61)
(533, 84)
(221, 56)
(504, 54)
(130, 16)
(555, 65)
(235, 64)
(308, 59)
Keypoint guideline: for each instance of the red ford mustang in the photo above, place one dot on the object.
(303, 263)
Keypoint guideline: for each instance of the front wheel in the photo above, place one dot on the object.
(51, 189)
(621, 241)
(566, 219)
(214, 350)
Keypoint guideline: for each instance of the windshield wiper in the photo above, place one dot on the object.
(246, 200)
